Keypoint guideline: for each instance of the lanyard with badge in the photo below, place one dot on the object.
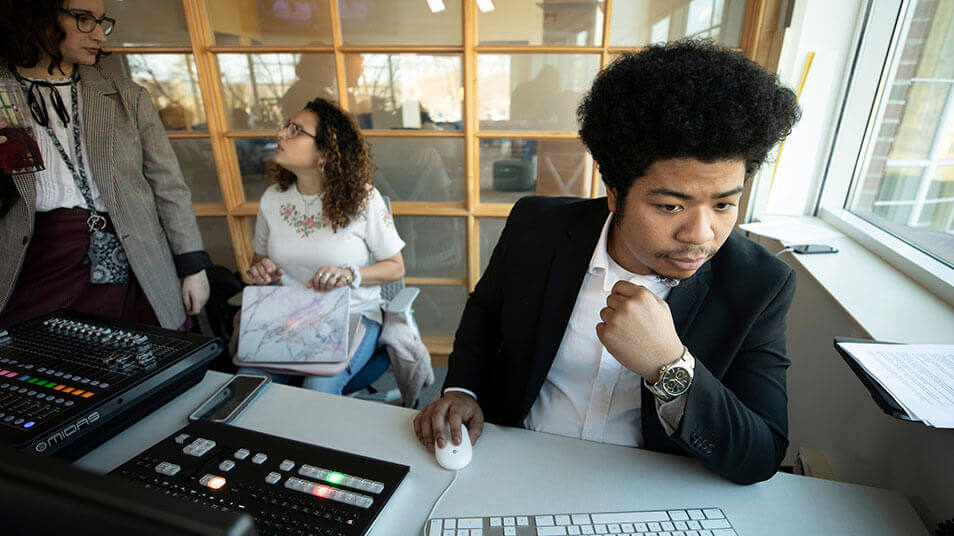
(106, 257)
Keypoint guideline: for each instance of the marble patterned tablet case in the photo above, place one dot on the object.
(293, 325)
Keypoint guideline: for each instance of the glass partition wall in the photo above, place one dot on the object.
(468, 105)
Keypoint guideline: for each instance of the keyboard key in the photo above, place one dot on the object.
(523, 521)
(510, 531)
(580, 519)
(167, 468)
(496, 522)
(678, 515)
(573, 530)
(450, 532)
(562, 520)
(544, 521)
(724, 532)
(435, 528)
(509, 522)
(715, 524)
(713, 513)
(614, 528)
(696, 514)
(470, 523)
(551, 531)
(630, 517)
(450, 523)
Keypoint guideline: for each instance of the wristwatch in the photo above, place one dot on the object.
(674, 378)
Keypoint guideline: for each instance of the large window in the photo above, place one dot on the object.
(896, 142)
(467, 108)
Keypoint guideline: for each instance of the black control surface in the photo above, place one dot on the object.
(288, 487)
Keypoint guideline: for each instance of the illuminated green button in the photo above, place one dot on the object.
(334, 478)
(33, 380)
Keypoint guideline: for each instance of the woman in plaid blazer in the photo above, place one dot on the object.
(52, 48)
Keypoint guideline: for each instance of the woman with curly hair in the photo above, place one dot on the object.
(323, 225)
(107, 227)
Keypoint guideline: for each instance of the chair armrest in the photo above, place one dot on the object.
(402, 301)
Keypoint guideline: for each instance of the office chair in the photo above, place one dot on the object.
(399, 300)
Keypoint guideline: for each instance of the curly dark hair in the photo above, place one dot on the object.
(684, 99)
(30, 30)
(347, 165)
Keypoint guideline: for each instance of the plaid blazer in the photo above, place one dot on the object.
(141, 185)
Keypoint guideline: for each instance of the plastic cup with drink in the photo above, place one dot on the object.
(19, 152)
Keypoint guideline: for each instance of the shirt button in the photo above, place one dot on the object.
(69, 190)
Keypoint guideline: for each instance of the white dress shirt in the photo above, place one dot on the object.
(587, 393)
(55, 187)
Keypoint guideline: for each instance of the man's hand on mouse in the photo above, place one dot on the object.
(637, 329)
(455, 407)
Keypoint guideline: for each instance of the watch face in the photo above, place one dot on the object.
(676, 380)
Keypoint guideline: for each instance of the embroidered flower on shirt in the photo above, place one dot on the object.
(388, 218)
(304, 224)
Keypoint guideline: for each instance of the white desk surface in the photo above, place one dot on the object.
(520, 472)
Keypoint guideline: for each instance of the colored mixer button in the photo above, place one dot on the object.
(212, 481)
(59, 387)
(11, 375)
(87, 394)
(68, 390)
(77, 392)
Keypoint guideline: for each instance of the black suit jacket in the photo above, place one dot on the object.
(730, 314)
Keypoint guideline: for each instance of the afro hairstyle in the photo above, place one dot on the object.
(683, 99)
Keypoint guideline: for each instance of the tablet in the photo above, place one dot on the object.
(293, 325)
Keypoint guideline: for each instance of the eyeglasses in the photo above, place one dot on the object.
(86, 23)
(291, 131)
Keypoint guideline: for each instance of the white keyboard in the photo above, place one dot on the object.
(690, 522)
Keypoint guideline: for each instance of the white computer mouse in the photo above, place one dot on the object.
(454, 457)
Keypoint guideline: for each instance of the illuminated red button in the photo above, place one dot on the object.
(322, 491)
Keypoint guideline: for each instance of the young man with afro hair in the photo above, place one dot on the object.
(642, 318)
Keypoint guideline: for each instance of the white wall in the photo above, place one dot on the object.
(827, 29)
(830, 410)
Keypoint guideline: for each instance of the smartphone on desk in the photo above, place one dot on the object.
(226, 404)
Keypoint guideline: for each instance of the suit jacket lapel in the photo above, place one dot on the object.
(568, 267)
(685, 299)
(98, 120)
